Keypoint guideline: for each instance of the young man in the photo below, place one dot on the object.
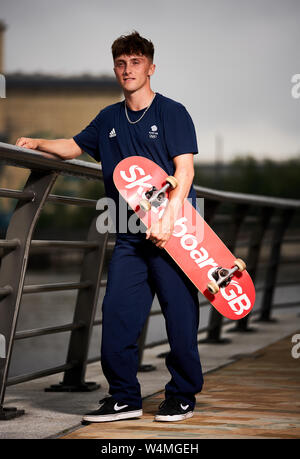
(139, 269)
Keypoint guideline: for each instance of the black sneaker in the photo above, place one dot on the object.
(173, 409)
(112, 410)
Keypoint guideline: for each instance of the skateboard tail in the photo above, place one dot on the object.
(238, 304)
(199, 262)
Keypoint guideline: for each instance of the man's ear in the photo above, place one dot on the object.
(151, 70)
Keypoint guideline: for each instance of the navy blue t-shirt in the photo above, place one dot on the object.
(165, 131)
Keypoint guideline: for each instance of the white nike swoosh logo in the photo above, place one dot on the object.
(184, 407)
(117, 408)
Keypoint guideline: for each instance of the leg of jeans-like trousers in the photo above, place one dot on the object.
(125, 308)
(178, 298)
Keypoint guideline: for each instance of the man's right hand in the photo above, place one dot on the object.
(27, 142)
(64, 148)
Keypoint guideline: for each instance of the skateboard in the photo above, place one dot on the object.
(199, 252)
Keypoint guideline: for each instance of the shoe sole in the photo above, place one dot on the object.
(113, 417)
(175, 417)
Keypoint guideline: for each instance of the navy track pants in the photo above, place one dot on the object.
(137, 271)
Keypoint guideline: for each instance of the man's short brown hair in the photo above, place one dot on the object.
(132, 44)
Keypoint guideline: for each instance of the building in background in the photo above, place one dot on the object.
(48, 106)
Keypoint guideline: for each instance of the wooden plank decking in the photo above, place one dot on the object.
(257, 396)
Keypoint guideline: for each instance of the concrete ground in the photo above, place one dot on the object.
(54, 414)
(255, 397)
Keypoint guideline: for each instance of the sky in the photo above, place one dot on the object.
(230, 62)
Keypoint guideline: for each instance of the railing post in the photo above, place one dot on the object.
(273, 264)
(210, 209)
(215, 320)
(256, 239)
(85, 310)
(13, 270)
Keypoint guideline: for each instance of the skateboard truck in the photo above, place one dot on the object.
(223, 276)
(156, 197)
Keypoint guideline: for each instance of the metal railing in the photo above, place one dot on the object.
(261, 216)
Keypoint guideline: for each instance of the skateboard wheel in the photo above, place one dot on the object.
(145, 205)
(213, 287)
(240, 264)
(172, 181)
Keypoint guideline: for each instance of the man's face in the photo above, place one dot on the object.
(133, 71)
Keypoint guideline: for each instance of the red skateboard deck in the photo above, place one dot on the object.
(193, 244)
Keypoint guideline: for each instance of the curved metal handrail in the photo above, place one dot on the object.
(251, 199)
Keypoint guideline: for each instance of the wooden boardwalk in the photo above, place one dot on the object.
(257, 396)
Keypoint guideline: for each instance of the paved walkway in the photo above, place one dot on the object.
(55, 414)
(255, 397)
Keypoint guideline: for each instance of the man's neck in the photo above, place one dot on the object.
(139, 99)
